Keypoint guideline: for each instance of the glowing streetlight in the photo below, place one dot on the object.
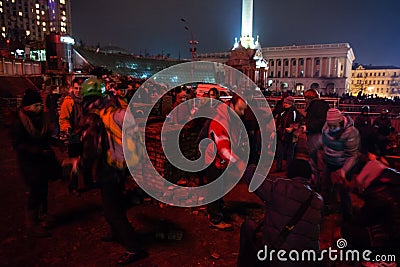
(192, 41)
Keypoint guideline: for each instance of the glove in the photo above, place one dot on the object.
(63, 136)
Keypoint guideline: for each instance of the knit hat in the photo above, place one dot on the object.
(334, 115)
(31, 96)
(289, 100)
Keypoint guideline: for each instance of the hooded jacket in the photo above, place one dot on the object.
(340, 149)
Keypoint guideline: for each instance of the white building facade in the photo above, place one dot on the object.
(325, 67)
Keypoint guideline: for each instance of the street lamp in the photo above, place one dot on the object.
(192, 41)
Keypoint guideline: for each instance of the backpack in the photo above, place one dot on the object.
(133, 141)
(88, 145)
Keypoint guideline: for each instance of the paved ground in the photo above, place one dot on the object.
(80, 224)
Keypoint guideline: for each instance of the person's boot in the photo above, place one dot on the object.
(47, 220)
(38, 231)
(33, 226)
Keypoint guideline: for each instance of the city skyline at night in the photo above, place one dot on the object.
(140, 27)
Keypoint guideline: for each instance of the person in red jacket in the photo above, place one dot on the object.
(228, 135)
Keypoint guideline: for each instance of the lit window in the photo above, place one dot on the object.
(42, 12)
(28, 32)
(38, 17)
(37, 5)
(44, 23)
(1, 10)
(38, 23)
(63, 29)
(1, 3)
(12, 1)
(64, 18)
(37, 11)
(44, 29)
(20, 13)
(3, 29)
(63, 12)
(62, 2)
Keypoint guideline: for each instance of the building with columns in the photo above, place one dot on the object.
(381, 81)
(325, 67)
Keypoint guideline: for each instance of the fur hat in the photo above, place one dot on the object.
(334, 115)
(31, 96)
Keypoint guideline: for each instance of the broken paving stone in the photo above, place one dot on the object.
(215, 255)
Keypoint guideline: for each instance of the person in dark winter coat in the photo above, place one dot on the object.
(340, 141)
(383, 126)
(283, 198)
(376, 226)
(316, 110)
(278, 109)
(363, 119)
(286, 123)
(102, 141)
(36, 160)
(365, 128)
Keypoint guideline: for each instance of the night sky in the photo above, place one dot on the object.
(372, 27)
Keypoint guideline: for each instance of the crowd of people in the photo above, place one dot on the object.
(321, 153)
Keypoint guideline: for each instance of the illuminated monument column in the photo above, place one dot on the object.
(246, 56)
(246, 39)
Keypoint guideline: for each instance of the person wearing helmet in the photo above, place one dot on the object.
(84, 136)
(316, 110)
(383, 123)
(102, 134)
(363, 119)
(364, 126)
(71, 109)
